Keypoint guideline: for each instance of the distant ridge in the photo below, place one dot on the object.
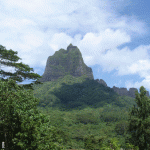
(70, 62)
(122, 91)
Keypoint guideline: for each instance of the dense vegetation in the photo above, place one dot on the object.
(104, 117)
(78, 93)
(22, 126)
(70, 113)
(73, 127)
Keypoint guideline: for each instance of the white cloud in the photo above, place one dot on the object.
(143, 70)
(137, 84)
(93, 46)
(33, 40)
(139, 67)
(123, 60)
(16, 23)
(129, 24)
(36, 29)
(59, 40)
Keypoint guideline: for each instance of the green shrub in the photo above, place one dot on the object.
(87, 118)
(121, 127)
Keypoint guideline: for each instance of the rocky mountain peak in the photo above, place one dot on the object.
(65, 62)
(71, 47)
(70, 62)
(101, 81)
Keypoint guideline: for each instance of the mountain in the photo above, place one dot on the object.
(77, 93)
(66, 62)
(124, 91)
(70, 62)
(69, 83)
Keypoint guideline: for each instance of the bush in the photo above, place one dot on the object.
(87, 118)
(121, 127)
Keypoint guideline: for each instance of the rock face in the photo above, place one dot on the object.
(101, 81)
(132, 92)
(65, 62)
(70, 62)
(124, 91)
(121, 91)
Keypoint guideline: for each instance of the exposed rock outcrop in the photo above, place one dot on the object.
(101, 81)
(132, 92)
(70, 62)
(147, 93)
(65, 62)
(122, 91)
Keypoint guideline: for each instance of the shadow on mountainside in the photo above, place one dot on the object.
(70, 93)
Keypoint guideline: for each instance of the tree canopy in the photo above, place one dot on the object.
(139, 121)
(22, 125)
(22, 71)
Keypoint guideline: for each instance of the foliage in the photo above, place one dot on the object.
(77, 93)
(112, 114)
(24, 126)
(78, 132)
(131, 146)
(22, 71)
(92, 143)
(121, 127)
(139, 121)
(87, 118)
(113, 145)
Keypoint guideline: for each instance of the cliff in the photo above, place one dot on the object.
(101, 81)
(122, 91)
(70, 62)
(66, 62)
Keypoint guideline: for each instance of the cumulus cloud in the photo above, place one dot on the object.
(125, 60)
(36, 29)
(145, 82)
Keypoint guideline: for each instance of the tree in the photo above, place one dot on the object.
(22, 71)
(139, 121)
(24, 126)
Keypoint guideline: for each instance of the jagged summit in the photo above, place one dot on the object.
(70, 62)
(101, 81)
(122, 91)
(65, 62)
(71, 47)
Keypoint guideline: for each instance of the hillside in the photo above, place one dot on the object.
(77, 93)
(81, 107)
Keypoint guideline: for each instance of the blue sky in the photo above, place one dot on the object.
(112, 35)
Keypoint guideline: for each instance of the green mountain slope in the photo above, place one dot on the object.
(77, 93)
